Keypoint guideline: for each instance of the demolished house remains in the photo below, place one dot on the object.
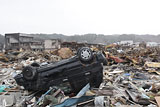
(105, 76)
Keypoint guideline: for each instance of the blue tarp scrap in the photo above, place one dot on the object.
(73, 101)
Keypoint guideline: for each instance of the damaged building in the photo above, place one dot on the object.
(17, 41)
(51, 44)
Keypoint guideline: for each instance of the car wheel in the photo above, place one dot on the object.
(85, 54)
(29, 73)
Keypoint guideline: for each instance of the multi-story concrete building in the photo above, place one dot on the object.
(16, 41)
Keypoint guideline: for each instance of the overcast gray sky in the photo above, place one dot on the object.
(80, 16)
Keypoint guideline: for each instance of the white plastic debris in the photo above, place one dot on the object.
(99, 101)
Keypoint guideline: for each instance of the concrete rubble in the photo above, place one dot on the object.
(131, 78)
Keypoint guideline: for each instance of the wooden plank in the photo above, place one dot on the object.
(158, 100)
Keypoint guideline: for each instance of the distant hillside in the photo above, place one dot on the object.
(96, 38)
(100, 38)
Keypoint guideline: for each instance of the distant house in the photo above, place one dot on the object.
(52, 44)
(17, 41)
(127, 42)
(152, 44)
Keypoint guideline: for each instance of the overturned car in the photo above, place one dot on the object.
(74, 73)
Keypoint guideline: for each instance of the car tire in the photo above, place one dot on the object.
(29, 72)
(85, 54)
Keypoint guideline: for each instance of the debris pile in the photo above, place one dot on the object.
(131, 78)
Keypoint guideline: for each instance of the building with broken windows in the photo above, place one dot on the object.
(52, 44)
(17, 41)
